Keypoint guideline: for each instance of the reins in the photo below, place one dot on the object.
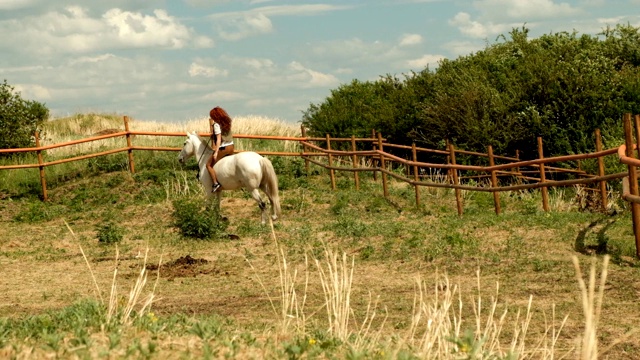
(200, 158)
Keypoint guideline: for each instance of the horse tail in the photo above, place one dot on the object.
(269, 184)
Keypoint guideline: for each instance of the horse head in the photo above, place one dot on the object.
(188, 148)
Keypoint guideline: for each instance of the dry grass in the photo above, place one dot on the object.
(135, 302)
(83, 126)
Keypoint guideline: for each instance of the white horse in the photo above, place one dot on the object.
(247, 170)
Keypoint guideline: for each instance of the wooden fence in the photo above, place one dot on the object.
(380, 161)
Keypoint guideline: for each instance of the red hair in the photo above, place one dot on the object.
(220, 116)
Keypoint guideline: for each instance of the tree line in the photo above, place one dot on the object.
(560, 86)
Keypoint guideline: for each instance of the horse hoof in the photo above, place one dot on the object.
(274, 217)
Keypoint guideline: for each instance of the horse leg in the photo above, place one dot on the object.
(261, 204)
(274, 216)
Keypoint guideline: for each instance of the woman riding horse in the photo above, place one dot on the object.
(221, 138)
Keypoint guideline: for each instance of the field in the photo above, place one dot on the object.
(102, 269)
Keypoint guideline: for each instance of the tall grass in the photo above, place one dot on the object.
(437, 328)
(135, 302)
(87, 125)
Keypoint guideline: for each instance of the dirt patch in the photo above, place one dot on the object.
(185, 266)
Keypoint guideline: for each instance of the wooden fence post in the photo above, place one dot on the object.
(494, 181)
(129, 150)
(517, 169)
(303, 131)
(449, 177)
(454, 173)
(603, 184)
(373, 136)
(354, 159)
(637, 124)
(332, 172)
(545, 191)
(385, 189)
(43, 179)
(633, 180)
(414, 154)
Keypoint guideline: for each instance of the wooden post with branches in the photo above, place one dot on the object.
(129, 146)
(373, 136)
(602, 184)
(414, 154)
(354, 160)
(43, 178)
(456, 182)
(332, 172)
(545, 191)
(449, 177)
(303, 132)
(494, 181)
(633, 180)
(383, 166)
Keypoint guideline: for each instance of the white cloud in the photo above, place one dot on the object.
(422, 62)
(238, 25)
(310, 78)
(459, 48)
(258, 63)
(523, 10)
(22, 69)
(197, 70)
(410, 39)
(73, 30)
(222, 96)
(499, 16)
(138, 30)
(248, 25)
(282, 10)
(477, 29)
(91, 59)
(15, 4)
(33, 91)
(612, 21)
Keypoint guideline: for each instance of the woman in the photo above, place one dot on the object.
(221, 139)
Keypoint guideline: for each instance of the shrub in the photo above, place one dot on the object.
(197, 221)
(19, 118)
(109, 233)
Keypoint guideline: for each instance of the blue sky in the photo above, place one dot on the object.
(174, 60)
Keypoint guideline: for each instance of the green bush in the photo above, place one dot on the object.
(19, 118)
(197, 221)
(109, 233)
(560, 87)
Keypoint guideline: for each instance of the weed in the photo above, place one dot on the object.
(347, 226)
(206, 330)
(109, 232)
(197, 221)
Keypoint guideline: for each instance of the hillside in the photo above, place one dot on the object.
(254, 292)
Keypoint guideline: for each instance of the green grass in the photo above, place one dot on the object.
(57, 305)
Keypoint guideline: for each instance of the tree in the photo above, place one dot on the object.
(559, 86)
(19, 118)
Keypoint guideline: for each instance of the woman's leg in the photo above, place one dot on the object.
(210, 164)
(228, 150)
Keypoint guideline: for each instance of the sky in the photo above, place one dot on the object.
(173, 60)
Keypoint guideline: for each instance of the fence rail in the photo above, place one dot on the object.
(379, 158)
